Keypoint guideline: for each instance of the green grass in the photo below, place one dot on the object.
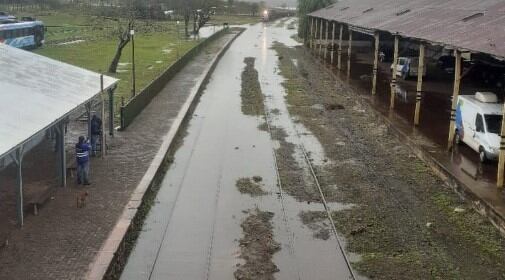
(157, 46)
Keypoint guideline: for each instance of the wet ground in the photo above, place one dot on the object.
(314, 166)
(198, 227)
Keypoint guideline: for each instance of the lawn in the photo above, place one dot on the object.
(90, 42)
(157, 45)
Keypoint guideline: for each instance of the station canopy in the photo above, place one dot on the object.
(37, 92)
(472, 25)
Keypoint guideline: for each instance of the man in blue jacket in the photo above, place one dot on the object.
(82, 149)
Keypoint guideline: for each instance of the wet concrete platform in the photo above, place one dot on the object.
(460, 167)
(192, 230)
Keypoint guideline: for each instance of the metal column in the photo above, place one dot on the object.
(393, 79)
(339, 58)
(62, 159)
(320, 36)
(311, 38)
(349, 49)
(17, 157)
(501, 159)
(375, 63)
(111, 112)
(419, 91)
(326, 41)
(88, 113)
(455, 93)
(332, 54)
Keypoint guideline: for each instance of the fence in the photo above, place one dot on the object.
(135, 105)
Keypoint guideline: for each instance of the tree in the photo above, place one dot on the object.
(305, 7)
(124, 39)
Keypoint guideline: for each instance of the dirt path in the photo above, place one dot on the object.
(405, 224)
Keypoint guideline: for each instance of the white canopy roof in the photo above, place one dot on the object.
(36, 92)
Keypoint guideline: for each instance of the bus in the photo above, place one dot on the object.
(22, 34)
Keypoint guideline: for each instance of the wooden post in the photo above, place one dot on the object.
(311, 38)
(420, 71)
(393, 79)
(321, 36)
(326, 40)
(501, 159)
(315, 34)
(375, 63)
(455, 93)
(339, 58)
(349, 49)
(332, 54)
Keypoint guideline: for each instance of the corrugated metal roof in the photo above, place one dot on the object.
(36, 91)
(474, 25)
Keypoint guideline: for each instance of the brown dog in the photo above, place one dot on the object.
(81, 199)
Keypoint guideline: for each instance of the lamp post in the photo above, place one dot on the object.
(178, 40)
(132, 33)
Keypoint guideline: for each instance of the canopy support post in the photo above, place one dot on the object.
(18, 161)
(62, 159)
(349, 50)
(339, 58)
(332, 53)
(455, 93)
(419, 91)
(311, 38)
(393, 79)
(501, 159)
(326, 41)
(320, 36)
(375, 63)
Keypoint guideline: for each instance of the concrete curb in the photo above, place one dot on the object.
(479, 204)
(112, 251)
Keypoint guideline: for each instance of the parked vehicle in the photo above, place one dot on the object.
(407, 67)
(6, 16)
(27, 34)
(478, 123)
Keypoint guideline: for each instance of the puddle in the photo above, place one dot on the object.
(222, 147)
(71, 42)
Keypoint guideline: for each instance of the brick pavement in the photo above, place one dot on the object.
(62, 241)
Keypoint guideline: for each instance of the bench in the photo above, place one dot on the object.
(40, 199)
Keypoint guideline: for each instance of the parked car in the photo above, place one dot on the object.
(478, 123)
(407, 67)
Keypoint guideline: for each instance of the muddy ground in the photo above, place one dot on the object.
(257, 247)
(403, 225)
(252, 98)
(251, 186)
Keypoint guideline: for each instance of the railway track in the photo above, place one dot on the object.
(340, 246)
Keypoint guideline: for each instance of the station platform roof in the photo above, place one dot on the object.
(473, 25)
(37, 92)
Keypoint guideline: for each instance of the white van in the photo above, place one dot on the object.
(407, 67)
(478, 123)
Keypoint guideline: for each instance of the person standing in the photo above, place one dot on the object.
(82, 149)
(96, 131)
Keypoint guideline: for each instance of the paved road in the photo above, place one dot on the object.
(193, 229)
